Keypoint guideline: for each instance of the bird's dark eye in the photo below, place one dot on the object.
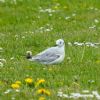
(60, 42)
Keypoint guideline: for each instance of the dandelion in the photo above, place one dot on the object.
(41, 81)
(47, 93)
(15, 86)
(43, 91)
(18, 82)
(29, 80)
(41, 98)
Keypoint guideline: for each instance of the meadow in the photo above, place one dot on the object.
(34, 25)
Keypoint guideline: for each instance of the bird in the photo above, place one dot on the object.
(52, 55)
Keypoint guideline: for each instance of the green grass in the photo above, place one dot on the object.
(24, 19)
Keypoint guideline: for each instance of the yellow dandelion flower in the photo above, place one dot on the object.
(15, 86)
(41, 81)
(47, 92)
(29, 80)
(18, 82)
(43, 91)
(41, 98)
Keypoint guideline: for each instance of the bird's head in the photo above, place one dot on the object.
(60, 42)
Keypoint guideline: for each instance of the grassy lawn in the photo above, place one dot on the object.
(34, 25)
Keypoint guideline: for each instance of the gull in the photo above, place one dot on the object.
(52, 55)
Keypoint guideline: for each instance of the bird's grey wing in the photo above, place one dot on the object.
(48, 56)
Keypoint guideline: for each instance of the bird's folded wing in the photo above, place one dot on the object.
(46, 57)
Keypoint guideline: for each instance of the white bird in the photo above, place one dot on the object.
(51, 55)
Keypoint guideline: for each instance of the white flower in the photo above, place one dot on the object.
(85, 91)
(68, 17)
(87, 95)
(75, 95)
(78, 44)
(47, 10)
(38, 17)
(3, 60)
(17, 90)
(96, 20)
(95, 93)
(73, 14)
(91, 8)
(15, 2)
(1, 64)
(90, 44)
(11, 58)
(48, 29)
(65, 95)
(1, 48)
(3, 1)
(16, 36)
(23, 37)
(7, 91)
(69, 43)
(96, 9)
(50, 14)
(91, 81)
(92, 27)
(13, 98)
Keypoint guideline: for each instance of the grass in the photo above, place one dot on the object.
(20, 31)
